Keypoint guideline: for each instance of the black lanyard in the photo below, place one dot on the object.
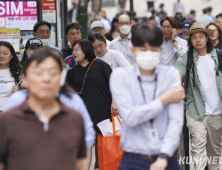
(142, 91)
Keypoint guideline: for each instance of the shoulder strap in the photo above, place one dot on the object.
(189, 66)
(219, 56)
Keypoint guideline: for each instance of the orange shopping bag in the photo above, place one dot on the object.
(109, 151)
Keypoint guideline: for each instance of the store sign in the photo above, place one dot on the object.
(48, 10)
(49, 14)
(18, 14)
(12, 35)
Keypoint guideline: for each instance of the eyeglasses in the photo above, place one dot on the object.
(44, 32)
(166, 27)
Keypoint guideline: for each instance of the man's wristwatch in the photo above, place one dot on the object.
(164, 156)
(173, 40)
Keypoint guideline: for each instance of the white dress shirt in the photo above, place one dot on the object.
(124, 47)
(137, 113)
(178, 8)
(170, 54)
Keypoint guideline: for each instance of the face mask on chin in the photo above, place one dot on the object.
(125, 29)
(148, 60)
(44, 41)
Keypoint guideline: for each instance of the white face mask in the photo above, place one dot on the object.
(44, 41)
(125, 29)
(148, 60)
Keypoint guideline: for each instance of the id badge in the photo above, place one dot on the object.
(154, 136)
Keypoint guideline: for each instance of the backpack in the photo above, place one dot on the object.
(190, 65)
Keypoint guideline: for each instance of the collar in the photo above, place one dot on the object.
(213, 53)
(128, 37)
(25, 109)
(151, 78)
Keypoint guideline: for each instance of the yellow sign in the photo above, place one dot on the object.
(11, 35)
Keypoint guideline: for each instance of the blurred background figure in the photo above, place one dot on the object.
(219, 20)
(150, 11)
(178, 7)
(72, 14)
(73, 34)
(186, 24)
(180, 18)
(215, 39)
(162, 13)
(105, 20)
(209, 11)
(151, 20)
(173, 46)
(134, 21)
(205, 19)
(192, 15)
(157, 18)
(98, 27)
(114, 32)
(122, 4)
(123, 42)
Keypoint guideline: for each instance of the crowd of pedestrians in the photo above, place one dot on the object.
(143, 69)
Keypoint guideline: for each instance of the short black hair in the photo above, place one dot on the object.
(209, 9)
(121, 15)
(192, 11)
(144, 33)
(151, 18)
(87, 48)
(135, 19)
(40, 23)
(205, 10)
(96, 36)
(71, 26)
(219, 15)
(161, 5)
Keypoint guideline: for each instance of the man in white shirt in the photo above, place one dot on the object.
(173, 46)
(42, 30)
(123, 42)
(98, 27)
(178, 7)
(201, 69)
(149, 100)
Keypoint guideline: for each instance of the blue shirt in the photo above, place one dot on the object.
(136, 112)
(75, 102)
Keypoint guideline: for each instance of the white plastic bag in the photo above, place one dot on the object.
(106, 127)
